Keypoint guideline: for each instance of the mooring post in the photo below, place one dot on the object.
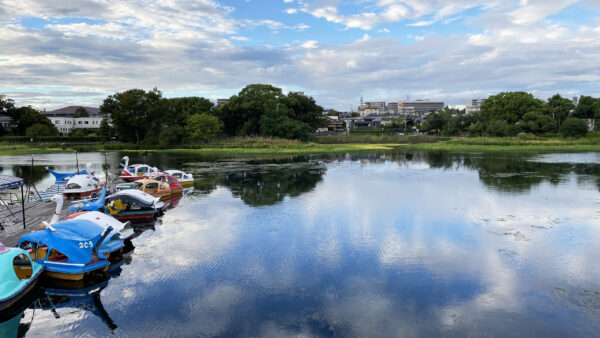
(77, 162)
(23, 206)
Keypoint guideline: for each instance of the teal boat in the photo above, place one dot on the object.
(20, 275)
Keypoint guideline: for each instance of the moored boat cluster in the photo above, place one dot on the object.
(93, 233)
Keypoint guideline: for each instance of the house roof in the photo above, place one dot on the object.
(70, 111)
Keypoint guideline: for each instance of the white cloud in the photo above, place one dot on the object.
(129, 44)
(291, 10)
(310, 44)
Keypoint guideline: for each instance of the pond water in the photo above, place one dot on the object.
(391, 244)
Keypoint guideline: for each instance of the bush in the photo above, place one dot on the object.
(38, 129)
(574, 127)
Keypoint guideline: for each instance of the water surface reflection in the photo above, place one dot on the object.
(395, 244)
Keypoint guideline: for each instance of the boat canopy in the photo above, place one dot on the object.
(75, 239)
(93, 205)
(136, 195)
(10, 182)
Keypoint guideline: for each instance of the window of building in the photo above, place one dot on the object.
(86, 122)
(57, 122)
(79, 122)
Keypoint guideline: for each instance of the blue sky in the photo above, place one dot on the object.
(75, 52)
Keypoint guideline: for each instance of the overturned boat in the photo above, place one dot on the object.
(62, 178)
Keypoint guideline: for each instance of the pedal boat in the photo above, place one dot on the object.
(114, 243)
(134, 172)
(68, 250)
(155, 188)
(174, 185)
(134, 205)
(186, 180)
(82, 186)
(19, 275)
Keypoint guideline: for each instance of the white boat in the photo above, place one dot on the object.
(186, 180)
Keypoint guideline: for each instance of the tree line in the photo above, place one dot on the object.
(257, 110)
(25, 120)
(512, 113)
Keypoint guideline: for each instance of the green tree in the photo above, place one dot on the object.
(105, 131)
(585, 107)
(508, 107)
(538, 123)
(277, 121)
(38, 129)
(135, 113)
(574, 127)
(241, 115)
(181, 108)
(81, 112)
(559, 108)
(304, 109)
(6, 104)
(202, 127)
(25, 117)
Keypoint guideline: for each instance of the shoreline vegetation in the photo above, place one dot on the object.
(260, 146)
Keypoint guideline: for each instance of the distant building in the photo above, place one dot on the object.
(575, 100)
(380, 106)
(423, 106)
(393, 107)
(474, 106)
(65, 120)
(222, 101)
(364, 123)
(5, 122)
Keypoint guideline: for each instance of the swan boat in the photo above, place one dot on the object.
(113, 243)
(135, 172)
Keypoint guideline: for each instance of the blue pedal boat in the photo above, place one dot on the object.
(92, 205)
(68, 250)
(19, 275)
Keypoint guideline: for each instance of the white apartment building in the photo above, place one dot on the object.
(474, 106)
(65, 121)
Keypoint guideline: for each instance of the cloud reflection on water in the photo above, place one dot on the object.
(372, 248)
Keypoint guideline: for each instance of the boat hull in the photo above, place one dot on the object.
(14, 299)
(186, 184)
(132, 178)
(136, 217)
(81, 194)
(72, 276)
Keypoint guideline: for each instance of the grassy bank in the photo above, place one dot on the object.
(334, 144)
(232, 147)
(513, 144)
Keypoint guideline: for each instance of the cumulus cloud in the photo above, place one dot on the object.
(102, 47)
